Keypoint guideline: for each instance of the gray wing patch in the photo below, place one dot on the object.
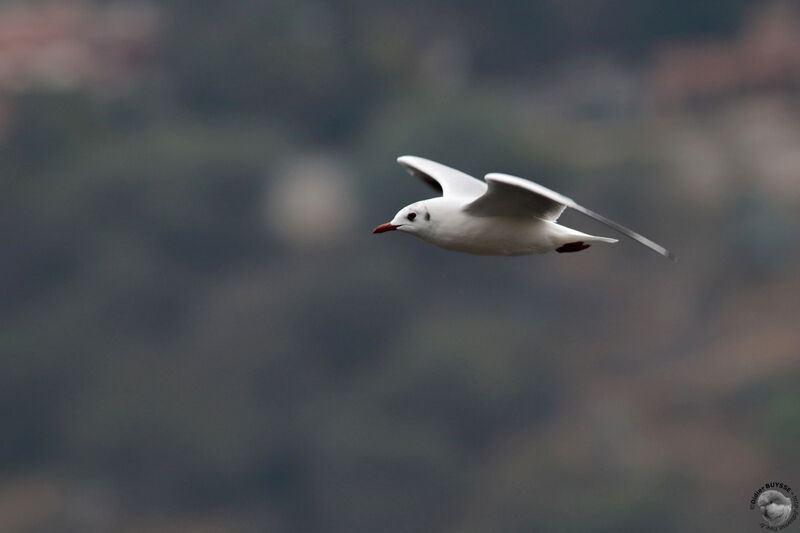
(507, 200)
(514, 197)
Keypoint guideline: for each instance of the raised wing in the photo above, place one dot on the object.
(513, 196)
(448, 181)
(516, 197)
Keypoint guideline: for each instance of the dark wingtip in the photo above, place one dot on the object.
(414, 171)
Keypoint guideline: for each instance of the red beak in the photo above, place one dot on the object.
(385, 227)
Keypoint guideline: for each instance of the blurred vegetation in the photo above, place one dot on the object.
(162, 342)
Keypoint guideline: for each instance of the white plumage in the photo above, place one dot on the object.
(505, 215)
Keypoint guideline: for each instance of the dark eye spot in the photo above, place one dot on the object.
(412, 216)
(427, 216)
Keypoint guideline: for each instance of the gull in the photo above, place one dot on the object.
(505, 215)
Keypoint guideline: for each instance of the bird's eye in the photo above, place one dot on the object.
(412, 216)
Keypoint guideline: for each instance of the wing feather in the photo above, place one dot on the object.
(448, 181)
(517, 197)
(512, 196)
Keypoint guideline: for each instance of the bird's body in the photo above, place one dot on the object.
(505, 215)
(453, 229)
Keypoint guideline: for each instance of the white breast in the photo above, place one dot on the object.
(493, 235)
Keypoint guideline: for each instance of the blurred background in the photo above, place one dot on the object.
(200, 333)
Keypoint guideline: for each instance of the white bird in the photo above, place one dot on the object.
(505, 215)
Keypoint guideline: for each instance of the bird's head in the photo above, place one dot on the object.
(415, 219)
(773, 496)
(775, 507)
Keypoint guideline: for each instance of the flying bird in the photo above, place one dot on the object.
(505, 215)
